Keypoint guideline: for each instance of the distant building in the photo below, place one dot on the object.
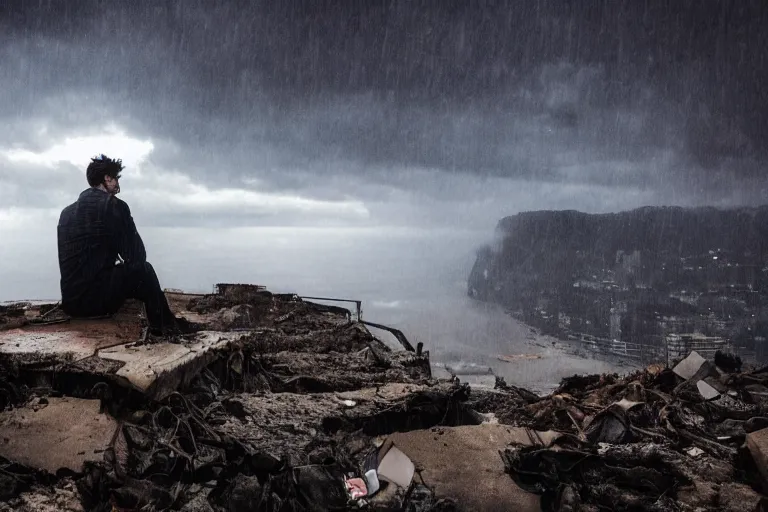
(617, 313)
(680, 345)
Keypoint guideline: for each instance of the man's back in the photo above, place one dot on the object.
(87, 241)
(92, 233)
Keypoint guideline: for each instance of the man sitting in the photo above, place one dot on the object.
(102, 257)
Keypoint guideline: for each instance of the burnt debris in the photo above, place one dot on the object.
(648, 441)
(282, 404)
(274, 420)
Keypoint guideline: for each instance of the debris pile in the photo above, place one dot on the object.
(687, 438)
(287, 405)
(284, 416)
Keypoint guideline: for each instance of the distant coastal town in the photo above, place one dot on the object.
(649, 303)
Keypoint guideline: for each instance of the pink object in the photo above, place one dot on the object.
(356, 488)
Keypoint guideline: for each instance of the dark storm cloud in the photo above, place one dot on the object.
(617, 94)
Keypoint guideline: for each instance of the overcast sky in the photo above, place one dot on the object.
(373, 116)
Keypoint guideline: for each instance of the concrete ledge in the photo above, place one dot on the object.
(157, 370)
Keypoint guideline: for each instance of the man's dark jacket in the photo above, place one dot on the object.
(92, 232)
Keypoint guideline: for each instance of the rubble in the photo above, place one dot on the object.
(688, 367)
(462, 464)
(269, 408)
(283, 404)
(646, 441)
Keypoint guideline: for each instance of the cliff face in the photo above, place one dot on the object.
(568, 265)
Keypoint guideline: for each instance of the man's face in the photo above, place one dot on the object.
(112, 184)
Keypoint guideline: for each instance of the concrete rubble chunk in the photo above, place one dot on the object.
(707, 391)
(717, 384)
(757, 444)
(688, 367)
(64, 434)
(395, 466)
(463, 463)
(159, 369)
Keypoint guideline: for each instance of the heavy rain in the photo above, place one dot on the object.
(259, 255)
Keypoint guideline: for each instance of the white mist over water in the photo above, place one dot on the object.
(415, 280)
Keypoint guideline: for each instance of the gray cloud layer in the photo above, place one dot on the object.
(438, 112)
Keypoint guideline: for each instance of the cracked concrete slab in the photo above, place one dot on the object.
(159, 369)
(95, 345)
(73, 340)
(64, 433)
(463, 463)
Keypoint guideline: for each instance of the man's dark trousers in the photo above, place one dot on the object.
(114, 285)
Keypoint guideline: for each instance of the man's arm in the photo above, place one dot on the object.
(130, 246)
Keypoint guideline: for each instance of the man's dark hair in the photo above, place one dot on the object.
(100, 166)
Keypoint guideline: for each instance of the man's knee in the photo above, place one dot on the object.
(140, 269)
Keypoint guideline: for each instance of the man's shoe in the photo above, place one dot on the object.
(184, 326)
(162, 332)
(179, 327)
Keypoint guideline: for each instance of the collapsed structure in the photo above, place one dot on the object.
(285, 404)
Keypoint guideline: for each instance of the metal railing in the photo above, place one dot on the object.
(397, 333)
(358, 304)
